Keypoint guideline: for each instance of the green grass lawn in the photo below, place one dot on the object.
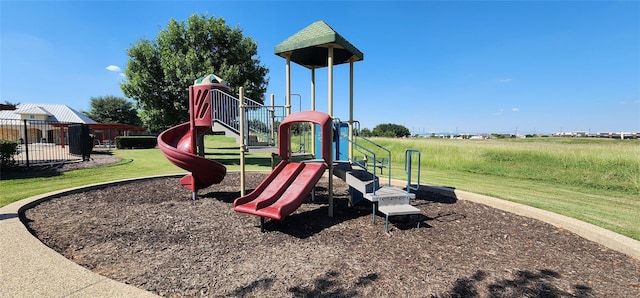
(594, 180)
(135, 163)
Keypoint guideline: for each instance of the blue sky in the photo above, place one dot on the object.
(534, 67)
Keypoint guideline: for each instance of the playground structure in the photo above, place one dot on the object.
(253, 124)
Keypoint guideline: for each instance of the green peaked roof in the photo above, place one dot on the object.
(309, 47)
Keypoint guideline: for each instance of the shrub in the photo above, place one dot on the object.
(7, 150)
(390, 130)
(136, 142)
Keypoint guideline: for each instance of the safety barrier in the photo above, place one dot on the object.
(261, 121)
(408, 168)
(42, 142)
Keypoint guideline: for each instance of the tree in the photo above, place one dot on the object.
(113, 109)
(7, 105)
(159, 72)
(365, 132)
(390, 130)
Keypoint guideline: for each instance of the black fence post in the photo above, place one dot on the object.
(26, 141)
(87, 143)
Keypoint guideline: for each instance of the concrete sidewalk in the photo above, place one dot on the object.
(28, 268)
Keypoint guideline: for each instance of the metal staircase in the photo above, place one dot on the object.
(364, 183)
(261, 122)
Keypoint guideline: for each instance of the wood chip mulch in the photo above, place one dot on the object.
(151, 235)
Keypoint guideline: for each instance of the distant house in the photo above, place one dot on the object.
(45, 122)
(46, 112)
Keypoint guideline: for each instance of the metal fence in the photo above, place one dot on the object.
(39, 142)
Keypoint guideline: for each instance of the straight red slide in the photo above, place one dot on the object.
(175, 143)
(283, 191)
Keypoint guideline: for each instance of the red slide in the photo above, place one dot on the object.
(282, 191)
(175, 143)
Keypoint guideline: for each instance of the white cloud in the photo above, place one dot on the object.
(123, 75)
(498, 113)
(515, 110)
(113, 68)
(505, 80)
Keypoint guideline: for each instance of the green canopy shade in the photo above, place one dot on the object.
(309, 47)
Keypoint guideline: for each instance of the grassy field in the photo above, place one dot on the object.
(594, 180)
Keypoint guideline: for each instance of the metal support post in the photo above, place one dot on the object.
(243, 145)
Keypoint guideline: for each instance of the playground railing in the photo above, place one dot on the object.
(374, 153)
(301, 133)
(261, 121)
(408, 168)
(225, 109)
(372, 156)
(380, 160)
(364, 163)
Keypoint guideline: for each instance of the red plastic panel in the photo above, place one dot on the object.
(200, 100)
(284, 139)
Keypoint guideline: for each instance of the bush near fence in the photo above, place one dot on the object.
(7, 150)
(136, 142)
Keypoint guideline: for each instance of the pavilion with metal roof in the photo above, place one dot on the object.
(319, 46)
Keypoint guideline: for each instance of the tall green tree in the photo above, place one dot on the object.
(160, 71)
(113, 109)
(390, 130)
